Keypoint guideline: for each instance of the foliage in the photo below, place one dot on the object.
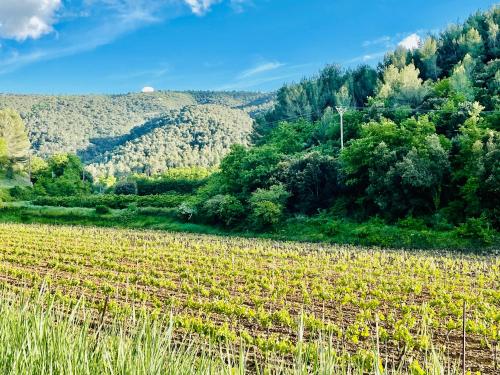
(182, 180)
(402, 86)
(312, 180)
(126, 188)
(14, 143)
(102, 210)
(112, 200)
(397, 169)
(224, 208)
(61, 175)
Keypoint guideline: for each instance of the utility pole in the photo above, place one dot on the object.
(341, 110)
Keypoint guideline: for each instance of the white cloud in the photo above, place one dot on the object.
(261, 68)
(23, 19)
(254, 77)
(200, 7)
(411, 42)
(148, 89)
(107, 20)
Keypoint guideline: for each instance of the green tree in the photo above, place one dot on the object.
(268, 206)
(395, 170)
(223, 208)
(312, 180)
(461, 79)
(402, 86)
(426, 59)
(14, 139)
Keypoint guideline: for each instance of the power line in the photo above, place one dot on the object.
(377, 109)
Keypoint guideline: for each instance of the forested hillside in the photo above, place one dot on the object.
(88, 124)
(197, 135)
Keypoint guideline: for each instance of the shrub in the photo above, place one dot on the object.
(276, 194)
(21, 194)
(266, 214)
(112, 201)
(224, 208)
(102, 210)
(477, 229)
(186, 211)
(411, 222)
(5, 196)
(126, 188)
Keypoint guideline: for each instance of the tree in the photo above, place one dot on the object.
(476, 169)
(402, 86)
(62, 175)
(471, 43)
(223, 208)
(426, 59)
(461, 79)
(363, 81)
(395, 170)
(4, 154)
(14, 139)
(312, 180)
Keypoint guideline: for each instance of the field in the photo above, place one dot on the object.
(390, 307)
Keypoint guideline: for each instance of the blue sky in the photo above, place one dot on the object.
(118, 46)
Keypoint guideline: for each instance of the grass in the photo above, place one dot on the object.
(305, 229)
(40, 338)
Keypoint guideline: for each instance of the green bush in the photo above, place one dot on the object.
(224, 208)
(5, 196)
(21, 194)
(102, 210)
(126, 188)
(186, 211)
(411, 222)
(112, 201)
(266, 214)
(478, 229)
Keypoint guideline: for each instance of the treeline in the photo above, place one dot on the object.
(446, 73)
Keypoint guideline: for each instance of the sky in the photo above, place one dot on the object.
(120, 46)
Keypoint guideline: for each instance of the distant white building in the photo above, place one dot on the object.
(148, 89)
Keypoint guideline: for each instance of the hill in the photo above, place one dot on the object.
(196, 135)
(89, 124)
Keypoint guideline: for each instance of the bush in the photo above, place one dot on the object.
(102, 210)
(224, 208)
(186, 211)
(21, 194)
(126, 188)
(181, 180)
(5, 196)
(478, 229)
(266, 214)
(112, 201)
(411, 222)
(276, 194)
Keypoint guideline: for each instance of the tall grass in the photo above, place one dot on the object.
(36, 338)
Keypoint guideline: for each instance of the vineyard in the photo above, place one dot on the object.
(275, 297)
